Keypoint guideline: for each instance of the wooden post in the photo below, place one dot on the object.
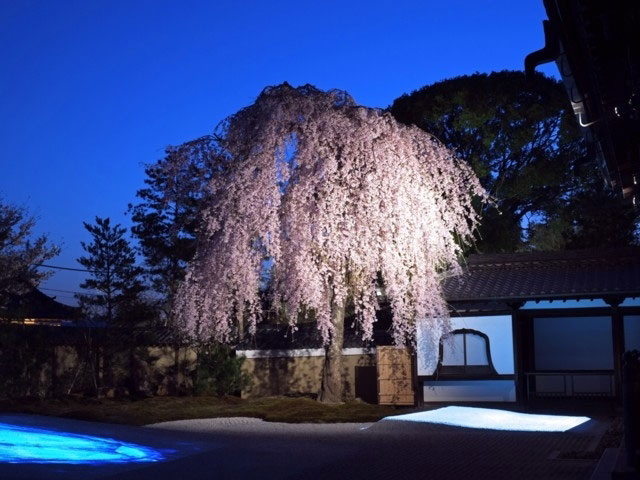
(518, 331)
(518, 352)
(629, 408)
(617, 334)
(418, 386)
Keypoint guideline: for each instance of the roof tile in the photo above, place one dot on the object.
(549, 275)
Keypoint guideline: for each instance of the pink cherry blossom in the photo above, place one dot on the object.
(337, 196)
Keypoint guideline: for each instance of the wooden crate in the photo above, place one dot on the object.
(395, 376)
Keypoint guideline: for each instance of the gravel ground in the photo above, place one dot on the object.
(392, 449)
(247, 448)
(256, 426)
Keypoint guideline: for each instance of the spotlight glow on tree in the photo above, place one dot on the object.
(337, 197)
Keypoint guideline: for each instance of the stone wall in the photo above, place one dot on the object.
(107, 371)
(148, 371)
(53, 361)
(301, 375)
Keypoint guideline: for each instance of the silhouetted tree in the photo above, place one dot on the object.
(115, 280)
(166, 219)
(593, 216)
(519, 136)
(19, 253)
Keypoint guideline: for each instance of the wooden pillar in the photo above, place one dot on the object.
(518, 363)
(519, 332)
(617, 333)
(418, 385)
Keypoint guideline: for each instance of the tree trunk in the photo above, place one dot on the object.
(240, 329)
(332, 384)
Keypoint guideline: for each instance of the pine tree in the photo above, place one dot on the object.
(166, 219)
(518, 135)
(114, 277)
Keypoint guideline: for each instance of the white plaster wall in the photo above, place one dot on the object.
(497, 328)
(632, 332)
(582, 303)
(547, 304)
(469, 391)
(631, 302)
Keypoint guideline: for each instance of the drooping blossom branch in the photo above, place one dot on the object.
(336, 196)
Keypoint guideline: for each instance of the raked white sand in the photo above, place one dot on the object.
(256, 425)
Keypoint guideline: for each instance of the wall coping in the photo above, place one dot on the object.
(300, 352)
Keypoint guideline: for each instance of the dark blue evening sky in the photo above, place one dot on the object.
(92, 90)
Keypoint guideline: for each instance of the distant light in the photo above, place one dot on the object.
(20, 444)
(493, 419)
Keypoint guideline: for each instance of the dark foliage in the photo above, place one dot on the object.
(593, 217)
(115, 280)
(25, 362)
(166, 219)
(219, 371)
(523, 142)
(19, 253)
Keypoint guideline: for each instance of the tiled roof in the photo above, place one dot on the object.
(547, 275)
(35, 304)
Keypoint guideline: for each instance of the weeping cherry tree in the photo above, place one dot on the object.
(338, 198)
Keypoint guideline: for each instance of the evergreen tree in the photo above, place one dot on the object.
(519, 136)
(19, 254)
(114, 276)
(166, 219)
(593, 216)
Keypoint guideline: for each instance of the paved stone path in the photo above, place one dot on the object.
(252, 449)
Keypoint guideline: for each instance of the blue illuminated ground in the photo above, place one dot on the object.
(20, 444)
(493, 419)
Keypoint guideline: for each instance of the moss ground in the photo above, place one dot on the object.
(162, 409)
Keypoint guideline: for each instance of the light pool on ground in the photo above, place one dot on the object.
(493, 419)
(19, 444)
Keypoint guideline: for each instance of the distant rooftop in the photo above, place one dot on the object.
(37, 305)
(115, 337)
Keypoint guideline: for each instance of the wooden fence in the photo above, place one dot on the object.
(395, 376)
